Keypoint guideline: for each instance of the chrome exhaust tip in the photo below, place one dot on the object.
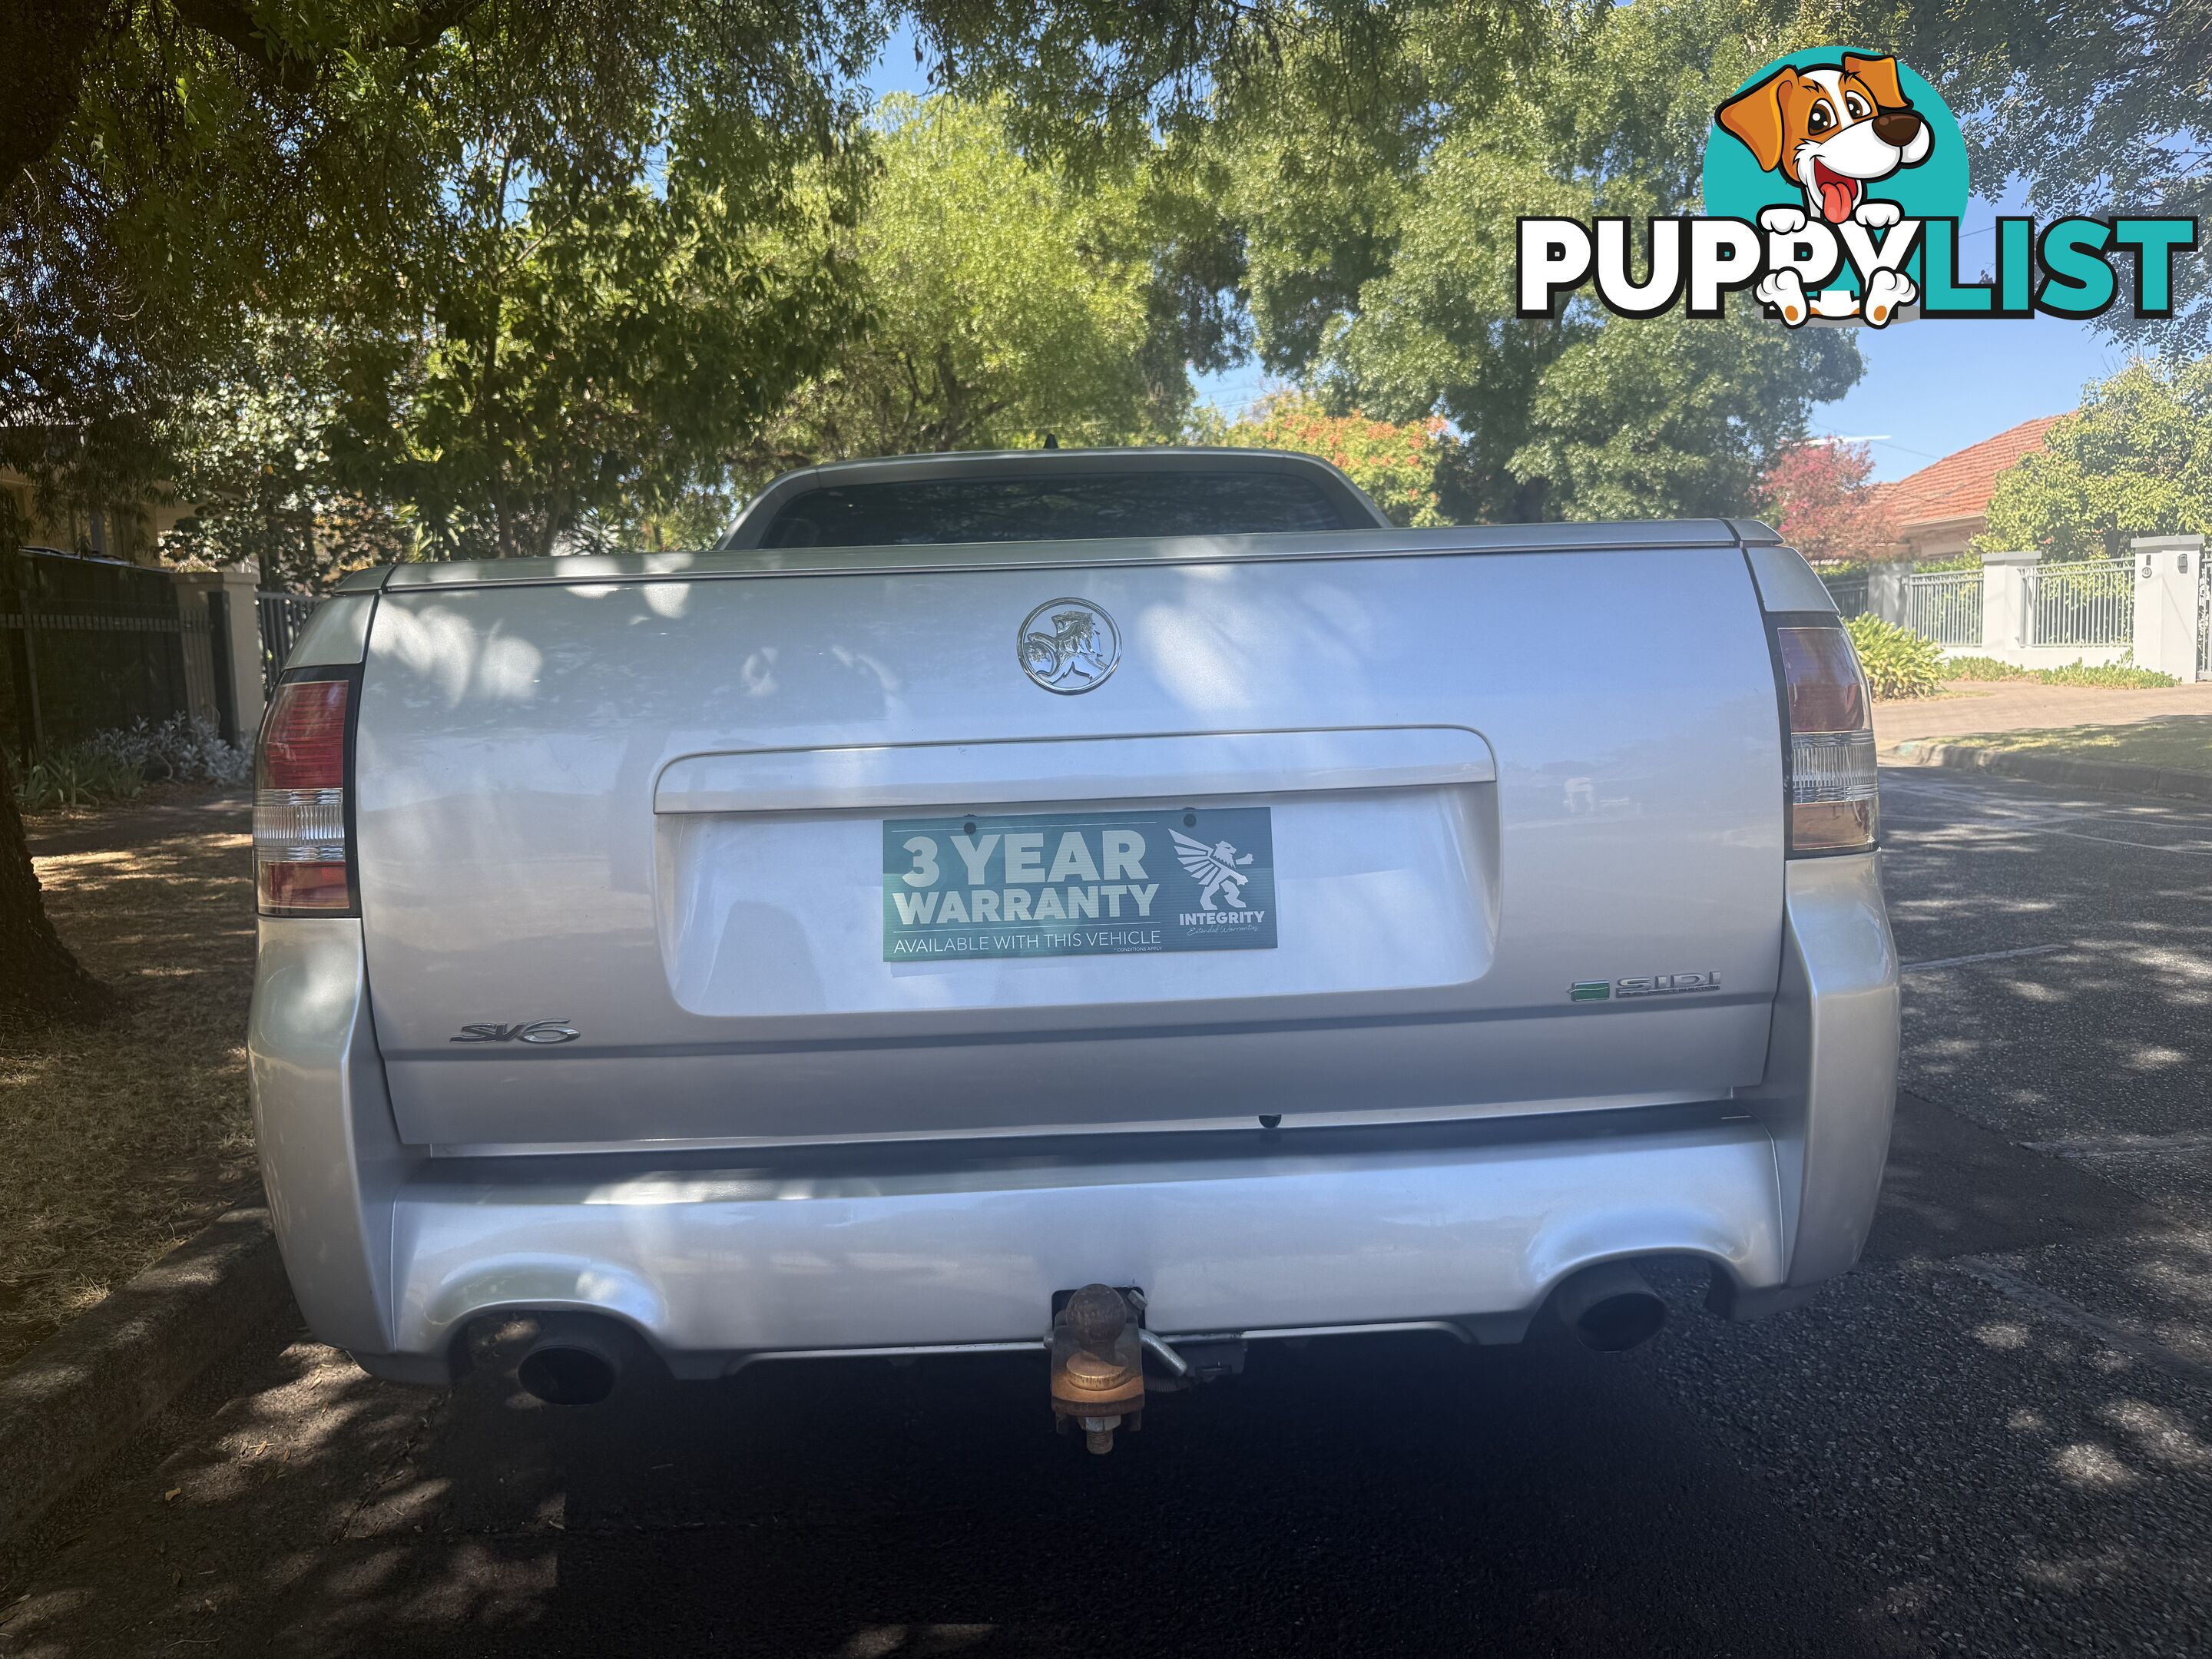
(575, 1360)
(1610, 1308)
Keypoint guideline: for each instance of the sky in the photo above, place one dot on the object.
(1930, 387)
(1933, 387)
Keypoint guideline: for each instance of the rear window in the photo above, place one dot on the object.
(1080, 507)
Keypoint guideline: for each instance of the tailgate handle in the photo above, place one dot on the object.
(899, 775)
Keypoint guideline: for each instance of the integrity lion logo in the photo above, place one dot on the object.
(1216, 867)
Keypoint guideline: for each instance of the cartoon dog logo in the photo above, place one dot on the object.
(1833, 132)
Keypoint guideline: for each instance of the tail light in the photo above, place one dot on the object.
(1834, 795)
(302, 850)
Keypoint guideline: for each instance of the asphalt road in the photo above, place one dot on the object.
(1995, 1437)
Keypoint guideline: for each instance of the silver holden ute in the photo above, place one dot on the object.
(1124, 906)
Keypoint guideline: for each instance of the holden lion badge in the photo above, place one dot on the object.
(1068, 645)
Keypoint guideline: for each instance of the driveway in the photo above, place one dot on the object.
(1995, 1437)
(2024, 706)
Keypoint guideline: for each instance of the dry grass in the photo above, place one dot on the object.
(2180, 741)
(124, 1138)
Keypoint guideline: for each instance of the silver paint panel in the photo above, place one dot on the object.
(1786, 582)
(1831, 1085)
(331, 1157)
(740, 563)
(513, 866)
(896, 777)
(517, 726)
(712, 1266)
(391, 1253)
(336, 633)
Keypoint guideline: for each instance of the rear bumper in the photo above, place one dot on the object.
(716, 1260)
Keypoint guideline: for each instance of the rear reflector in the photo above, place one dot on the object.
(302, 862)
(1834, 796)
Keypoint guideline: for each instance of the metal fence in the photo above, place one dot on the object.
(2089, 602)
(90, 644)
(283, 616)
(1849, 590)
(1945, 605)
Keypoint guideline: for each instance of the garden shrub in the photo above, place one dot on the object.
(1899, 663)
(184, 748)
(77, 774)
(2123, 675)
(115, 765)
(1984, 668)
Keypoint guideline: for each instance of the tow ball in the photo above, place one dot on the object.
(1097, 1366)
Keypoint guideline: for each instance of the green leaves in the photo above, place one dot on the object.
(1383, 263)
(588, 350)
(2136, 460)
(1898, 662)
(1395, 464)
(531, 237)
(1001, 299)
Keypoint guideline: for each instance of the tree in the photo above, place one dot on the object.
(594, 370)
(167, 164)
(587, 347)
(431, 172)
(999, 299)
(423, 182)
(252, 443)
(1396, 466)
(2091, 107)
(40, 983)
(1388, 285)
(2135, 461)
(1818, 497)
(454, 176)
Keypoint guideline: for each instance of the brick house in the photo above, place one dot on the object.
(128, 531)
(1945, 505)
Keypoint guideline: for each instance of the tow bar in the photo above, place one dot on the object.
(1098, 1366)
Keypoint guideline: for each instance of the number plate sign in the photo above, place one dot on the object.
(1078, 883)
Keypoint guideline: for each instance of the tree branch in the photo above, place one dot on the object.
(41, 76)
(294, 68)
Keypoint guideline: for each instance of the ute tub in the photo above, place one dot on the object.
(717, 1258)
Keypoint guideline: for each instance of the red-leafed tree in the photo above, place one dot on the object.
(1818, 497)
(1396, 464)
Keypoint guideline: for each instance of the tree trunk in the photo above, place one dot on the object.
(40, 983)
(41, 77)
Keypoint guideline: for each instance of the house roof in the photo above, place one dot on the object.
(1959, 485)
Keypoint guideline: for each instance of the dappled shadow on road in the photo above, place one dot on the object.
(2022, 1476)
(1995, 1437)
(1954, 1187)
(123, 1138)
(2103, 1032)
(1380, 1494)
(2082, 1064)
(1921, 1459)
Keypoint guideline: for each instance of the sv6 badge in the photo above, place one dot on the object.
(1641, 985)
(539, 1030)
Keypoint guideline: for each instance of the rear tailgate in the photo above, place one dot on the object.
(676, 816)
